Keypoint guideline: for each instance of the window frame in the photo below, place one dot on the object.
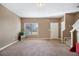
(31, 33)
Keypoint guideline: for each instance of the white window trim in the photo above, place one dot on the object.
(31, 23)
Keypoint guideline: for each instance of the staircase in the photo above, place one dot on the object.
(75, 37)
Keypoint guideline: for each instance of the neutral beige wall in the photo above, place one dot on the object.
(62, 24)
(77, 16)
(69, 20)
(44, 25)
(9, 26)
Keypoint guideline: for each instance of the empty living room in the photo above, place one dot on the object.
(39, 29)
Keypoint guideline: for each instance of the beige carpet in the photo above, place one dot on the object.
(37, 47)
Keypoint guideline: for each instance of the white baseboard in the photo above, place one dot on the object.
(55, 38)
(7, 45)
(45, 38)
(39, 38)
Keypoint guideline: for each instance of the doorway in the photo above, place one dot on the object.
(54, 30)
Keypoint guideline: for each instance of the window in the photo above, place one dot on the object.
(31, 28)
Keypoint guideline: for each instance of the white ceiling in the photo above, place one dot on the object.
(46, 10)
